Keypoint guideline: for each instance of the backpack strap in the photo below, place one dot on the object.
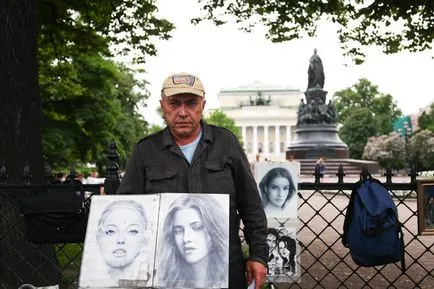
(401, 233)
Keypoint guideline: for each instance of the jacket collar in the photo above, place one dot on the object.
(206, 135)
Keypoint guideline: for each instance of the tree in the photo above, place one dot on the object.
(66, 29)
(392, 24)
(356, 130)
(155, 128)
(88, 102)
(218, 117)
(376, 111)
(20, 143)
(426, 119)
(387, 150)
(81, 26)
(421, 150)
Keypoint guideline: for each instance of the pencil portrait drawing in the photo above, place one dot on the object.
(193, 244)
(123, 237)
(278, 189)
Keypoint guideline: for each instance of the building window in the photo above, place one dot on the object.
(282, 147)
(259, 147)
(271, 147)
(249, 147)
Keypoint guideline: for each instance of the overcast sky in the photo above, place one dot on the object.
(225, 57)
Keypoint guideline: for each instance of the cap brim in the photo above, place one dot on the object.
(179, 90)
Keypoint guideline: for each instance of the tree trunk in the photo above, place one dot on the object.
(20, 144)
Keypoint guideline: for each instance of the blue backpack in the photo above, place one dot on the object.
(372, 231)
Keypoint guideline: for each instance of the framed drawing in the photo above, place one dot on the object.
(425, 206)
(278, 186)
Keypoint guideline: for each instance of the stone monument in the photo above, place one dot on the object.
(316, 133)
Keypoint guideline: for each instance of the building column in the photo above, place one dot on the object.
(244, 137)
(288, 135)
(277, 140)
(255, 139)
(266, 149)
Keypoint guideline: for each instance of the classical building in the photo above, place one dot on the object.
(266, 116)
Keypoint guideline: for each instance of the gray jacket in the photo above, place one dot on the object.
(219, 165)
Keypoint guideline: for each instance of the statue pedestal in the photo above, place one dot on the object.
(317, 140)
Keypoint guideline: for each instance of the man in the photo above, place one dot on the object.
(190, 156)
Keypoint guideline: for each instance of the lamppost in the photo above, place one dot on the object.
(406, 133)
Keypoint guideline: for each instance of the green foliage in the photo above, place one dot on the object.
(82, 26)
(364, 112)
(69, 257)
(421, 150)
(387, 150)
(87, 103)
(219, 118)
(393, 25)
(87, 99)
(155, 128)
(390, 150)
(356, 130)
(426, 119)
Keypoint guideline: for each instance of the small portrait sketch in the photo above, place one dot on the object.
(193, 241)
(278, 183)
(283, 254)
(120, 242)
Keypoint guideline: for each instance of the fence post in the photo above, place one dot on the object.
(3, 174)
(27, 175)
(112, 180)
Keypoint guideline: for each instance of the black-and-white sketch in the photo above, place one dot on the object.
(278, 188)
(120, 242)
(283, 252)
(193, 245)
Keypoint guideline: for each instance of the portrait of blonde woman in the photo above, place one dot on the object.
(123, 242)
(193, 250)
(278, 191)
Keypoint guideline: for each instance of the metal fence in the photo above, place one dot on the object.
(324, 261)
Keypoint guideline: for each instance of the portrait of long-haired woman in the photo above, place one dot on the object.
(277, 189)
(286, 247)
(193, 245)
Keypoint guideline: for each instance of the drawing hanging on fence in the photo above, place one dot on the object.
(283, 260)
(189, 231)
(425, 206)
(278, 183)
(193, 242)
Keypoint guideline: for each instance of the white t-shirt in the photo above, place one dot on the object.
(189, 149)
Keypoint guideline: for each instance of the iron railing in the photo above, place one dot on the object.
(323, 260)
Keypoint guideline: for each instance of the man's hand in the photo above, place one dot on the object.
(257, 271)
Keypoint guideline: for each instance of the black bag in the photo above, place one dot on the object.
(55, 217)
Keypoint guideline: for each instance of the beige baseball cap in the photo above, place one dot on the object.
(182, 83)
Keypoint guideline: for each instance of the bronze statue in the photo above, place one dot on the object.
(315, 72)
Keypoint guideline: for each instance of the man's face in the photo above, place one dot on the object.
(182, 114)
